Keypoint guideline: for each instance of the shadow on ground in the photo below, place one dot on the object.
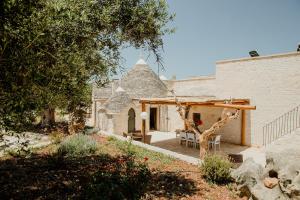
(53, 177)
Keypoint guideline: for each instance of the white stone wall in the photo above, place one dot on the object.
(121, 119)
(174, 119)
(231, 132)
(163, 118)
(96, 105)
(272, 83)
(197, 86)
(118, 122)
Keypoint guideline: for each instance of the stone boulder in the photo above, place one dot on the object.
(279, 179)
(283, 162)
(249, 178)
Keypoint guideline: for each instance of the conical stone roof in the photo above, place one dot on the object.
(117, 101)
(142, 82)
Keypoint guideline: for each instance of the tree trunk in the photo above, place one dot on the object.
(204, 137)
(225, 117)
(48, 117)
(216, 126)
(76, 122)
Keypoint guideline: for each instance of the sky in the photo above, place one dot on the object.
(211, 30)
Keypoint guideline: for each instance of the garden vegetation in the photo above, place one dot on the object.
(216, 169)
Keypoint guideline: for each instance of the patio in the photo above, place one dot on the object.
(168, 140)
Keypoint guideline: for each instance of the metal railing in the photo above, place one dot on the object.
(281, 126)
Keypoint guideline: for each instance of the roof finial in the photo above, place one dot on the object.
(141, 60)
(141, 54)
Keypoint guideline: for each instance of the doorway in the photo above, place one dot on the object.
(131, 120)
(153, 118)
(102, 120)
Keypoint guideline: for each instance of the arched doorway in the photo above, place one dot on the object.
(131, 120)
(102, 119)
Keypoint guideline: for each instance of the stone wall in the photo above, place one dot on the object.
(121, 119)
(272, 83)
(197, 86)
(231, 132)
(174, 119)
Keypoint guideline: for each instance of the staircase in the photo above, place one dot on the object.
(283, 125)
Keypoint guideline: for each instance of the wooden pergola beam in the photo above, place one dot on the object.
(236, 104)
(240, 107)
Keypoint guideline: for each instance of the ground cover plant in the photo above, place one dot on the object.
(77, 145)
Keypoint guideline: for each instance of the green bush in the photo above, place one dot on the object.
(77, 145)
(216, 169)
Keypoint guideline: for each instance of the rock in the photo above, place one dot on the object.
(289, 181)
(283, 157)
(270, 182)
(260, 192)
(280, 179)
(249, 177)
(248, 173)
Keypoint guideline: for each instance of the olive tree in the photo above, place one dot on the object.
(50, 50)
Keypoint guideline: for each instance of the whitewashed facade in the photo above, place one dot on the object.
(271, 83)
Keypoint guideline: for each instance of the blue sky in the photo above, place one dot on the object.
(212, 30)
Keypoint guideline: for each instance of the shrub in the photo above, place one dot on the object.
(77, 145)
(216, 169)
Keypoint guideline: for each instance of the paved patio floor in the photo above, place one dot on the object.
(168, 140)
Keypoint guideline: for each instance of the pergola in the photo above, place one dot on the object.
(239, 104)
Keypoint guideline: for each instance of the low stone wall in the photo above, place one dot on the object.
(26, 140)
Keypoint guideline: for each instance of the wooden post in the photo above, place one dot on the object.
(144, 122)
(243, 128)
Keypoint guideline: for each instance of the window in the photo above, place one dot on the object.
(197, 119)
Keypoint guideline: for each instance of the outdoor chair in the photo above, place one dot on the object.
(182, 137)
(216, 141)
(190, 140)
(177, 132)
(197, 140)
